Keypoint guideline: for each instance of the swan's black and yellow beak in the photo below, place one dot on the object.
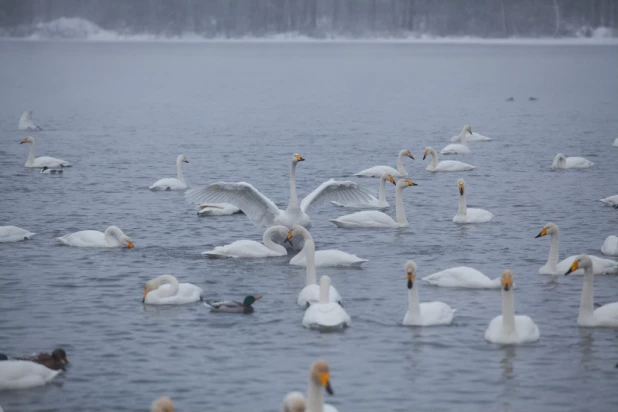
(185, 160)
(507, 284)
(542, 233)
(299, 158)
(410, 155)
(325, 380)
(461, 189)
(573, 267)
(288, 238)
(145, 293)
(424, 155)
(24, 141)
(391, 179)
(411, 183)
(410, 280)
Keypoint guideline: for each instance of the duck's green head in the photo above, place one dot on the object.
(249, 300)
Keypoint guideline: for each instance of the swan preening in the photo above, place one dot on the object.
(326, 315)
(112, 237)
(610, 246)
(378, 171)
(462, 277)
(165, 290)
(611, 201)
(459, 148)
(42, 161)
(170, 183)
(509, 328)
(376, 219)
(26, 123)
(553, 267)
(374, 203)
(470, 135)
(469, 215)
(162, 404)
(319, 380)
(445, 165)
(263, 212)
(22, 374)
(427, 313)
(251, 248)
(562, 162)
(606, 315)
(14, 234)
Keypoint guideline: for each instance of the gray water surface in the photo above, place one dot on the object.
(121, 113)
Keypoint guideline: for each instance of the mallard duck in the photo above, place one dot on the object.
(56, 360)
(232, 306)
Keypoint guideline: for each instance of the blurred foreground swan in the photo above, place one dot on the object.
(611, 201)
(170, 183)
(466, 214)
(251, 248)
(462, 277)
(319, 380)
(324, 258)
(162, 404)
(26, 123)
(509, 328)
(562, 162)
(21, 374)
(14, 234)
(470, 135)
(445, 165)
(378, 171)
(459, 148)
(427, 313)
(165, 290)
(326, 315)
(610, 246)
(263, 212)
(374, 203)
(50, 162)
(112, 237)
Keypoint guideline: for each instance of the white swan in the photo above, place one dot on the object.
(374, 203)
(466, 214)
(470, 135)
(251, 248)
(47, 170)
(615, 143)
(319, 380)
(606, 315)
(43, 160)
(170, 183)
(263, 212)
(325, 258)
(217, 209)
(311, 292)
(378, 171)
(562, 162)
(112, 237)
(459, 148)
(14, 234)
(21, 374)
(445, 165)
(376, 219)
(553, 267)
(326, 314)
(610, 246)
(162, 404)
(294, 402)
(26, 123)
(165, 290)
(462, 277)
(509, 328)
(427, 313)
(611, 201)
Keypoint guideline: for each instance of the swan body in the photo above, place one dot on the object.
(374, 203)
(294, 402)
(263, 212)
(611, 201)
(553, 267)
(14, 234)
(329, 258)
(50, 162)
(251, 248)
(459, 148)
(606, 315)
(47, 170)
(466, 214)
(610, 246)
(325, 314)
(509, 328)
(470, 135)
(21, 374)
(217, 209)
(462, 277)
(319, 380)
(26, 123)
(165, 290)
(378, 171)
(112, 237)
(376, 219)
(170, 183)
(445, 165)
(427, 313)
(562, 162)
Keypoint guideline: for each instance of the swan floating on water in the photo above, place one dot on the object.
(552, 267)
(14, 234)
(47, 170)
(378, 171)
(459, 148)
(26, 123)
(21, 374)
(232, 306)
(319, 380)
(445, 165)
(376, 219)
(610, 246)
(165, 290)
(469, 215)
(112, 237)
(325, 314)
(374, 203)
(462, 277)
(42, 161)
(427, 313)
(162, 404)
(170, 183)
(610, 201)
(251, 248)
(509, 328)
(562, 162)
(327, 257)
(606, 315)
(263, 212)
(294, 402)
(470, 135)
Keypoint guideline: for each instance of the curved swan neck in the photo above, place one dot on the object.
(112, 235)
(508, 311)
(31, 153)
(267, 239)
(179, 168)
(309, 250)
(315, 397)
(552, 260)
(293, 203)
(382, 197)
(173, 282)
(586, 302)
(434, 158)
(462, 210)
(414, 307)
(400, 167)
(399, 209)
(464, 137)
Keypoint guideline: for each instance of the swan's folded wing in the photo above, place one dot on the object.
(260, 209)
(335, 190)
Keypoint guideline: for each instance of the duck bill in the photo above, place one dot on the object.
(257, 297)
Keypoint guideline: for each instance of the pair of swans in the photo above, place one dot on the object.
(470, 135)
(325, 315)
(610, 201)
(459, 148)
(263, 212)
(610, 246)
(14, 234)
(426, 313)
(563, 162)
(170, 183)
(42, 161)
(445, 165)
(378, 171)
(553, 267)
(112, 237)
(469, 215)
(374, 203)
(26, 123)
(166, 290)
(319, 381)
(23, 374)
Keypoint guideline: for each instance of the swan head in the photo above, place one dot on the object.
(119, 235)
(506, 280)
(467, 128)
(461, 184)
(250, 300)
(560, 158)
(297, 158)
(320, 374)
(294, 402)
(388, 177)
(28, 139)
(410, 273)
(183, 159)
(162, 404)
(405, 183)
(428, 150)
(297, 230)
(407, 152)
(581, 261)
(548, 229)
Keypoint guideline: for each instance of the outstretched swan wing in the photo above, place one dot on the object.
(260, 209)
(344, 191)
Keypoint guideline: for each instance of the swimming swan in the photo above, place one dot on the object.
(445, 165)
(26, 123)
(611, 201)
(325, 258)
(171, 183)
(470, 135)
(509, 328)
(251, 248)
(165, 290)
(552, 267)
(378, 171)
(562, 162)
(263, 212)
(462, 277)
(376, 219)
(427, 313)
(469, 215)
(610, 246)
(294, 402)
(50, 162)
(162, 404)
(14, 234)
(21, 374)
(606, 315)
(112, 237)
(319, 380)
(374, 203)
(326, 314)
(459, 148)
